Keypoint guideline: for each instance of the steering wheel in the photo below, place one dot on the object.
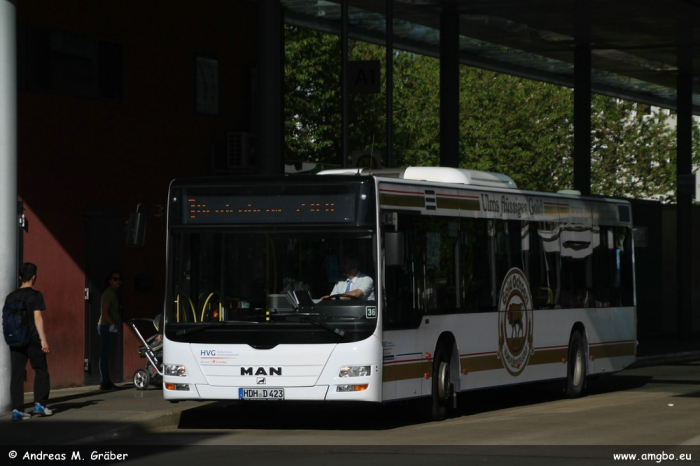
(343, 295)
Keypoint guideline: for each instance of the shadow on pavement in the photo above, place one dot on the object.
(356, 416)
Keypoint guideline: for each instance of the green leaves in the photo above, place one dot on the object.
(511, 125)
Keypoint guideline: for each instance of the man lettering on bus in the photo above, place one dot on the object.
(356, 283)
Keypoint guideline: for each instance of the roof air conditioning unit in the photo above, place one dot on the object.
(241, 150)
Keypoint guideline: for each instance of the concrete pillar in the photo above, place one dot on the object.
(449, 87)
(8, 175)
(270, 78)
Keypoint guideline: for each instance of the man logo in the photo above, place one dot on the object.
(261, 381)
(261, 371)
(515, 322)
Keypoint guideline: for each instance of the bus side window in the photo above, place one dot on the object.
(475, 272)
(544, 265)
(577, 244)
(403, 306)
(440, 250)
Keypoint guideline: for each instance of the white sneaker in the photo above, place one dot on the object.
(20, 415)
(43, 410)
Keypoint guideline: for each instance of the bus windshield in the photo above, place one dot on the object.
(264, 286)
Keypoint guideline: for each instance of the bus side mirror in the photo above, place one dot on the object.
(136, 229)
(393, 249)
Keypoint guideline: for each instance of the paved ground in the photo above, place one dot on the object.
(85, 415)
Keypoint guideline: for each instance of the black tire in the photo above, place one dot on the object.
(576, 366)
(142, 379)
(441, 387)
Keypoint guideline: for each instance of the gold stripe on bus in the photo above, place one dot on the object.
(481, 363)
(417, 370)
(457, 203)
(469, 204)
(401, 200)
(548, 356)
(412, 370)
(556, 210)
(612, 350)
(447, 203)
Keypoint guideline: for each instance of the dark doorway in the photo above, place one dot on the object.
(104, 252)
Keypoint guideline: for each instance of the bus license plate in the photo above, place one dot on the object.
(261, 393)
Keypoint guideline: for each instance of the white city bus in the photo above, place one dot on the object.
(476, 284)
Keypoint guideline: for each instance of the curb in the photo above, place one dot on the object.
(661, 359)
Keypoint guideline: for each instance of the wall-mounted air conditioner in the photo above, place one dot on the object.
(241, 149)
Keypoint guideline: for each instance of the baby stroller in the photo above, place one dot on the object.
(152, 350)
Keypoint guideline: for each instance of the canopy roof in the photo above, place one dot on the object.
(638, 47)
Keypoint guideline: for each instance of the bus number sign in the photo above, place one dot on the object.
(371, 312)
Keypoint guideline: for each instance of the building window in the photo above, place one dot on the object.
(70, 64)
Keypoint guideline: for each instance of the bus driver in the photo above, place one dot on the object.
(356, 284)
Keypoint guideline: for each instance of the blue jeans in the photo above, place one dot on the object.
(107, 338)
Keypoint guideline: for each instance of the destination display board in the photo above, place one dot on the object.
(299, 208)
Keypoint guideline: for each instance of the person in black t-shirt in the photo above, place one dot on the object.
(34, 351)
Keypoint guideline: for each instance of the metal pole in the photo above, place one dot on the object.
(389, 82)
(8, 176)
(345, 110)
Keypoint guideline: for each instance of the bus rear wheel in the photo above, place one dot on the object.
(441, 386)
(576, 366)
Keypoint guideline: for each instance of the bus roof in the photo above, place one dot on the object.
(434, 174)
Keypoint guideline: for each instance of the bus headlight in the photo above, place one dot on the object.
(351, 388)
(355, 371)
(175, 369)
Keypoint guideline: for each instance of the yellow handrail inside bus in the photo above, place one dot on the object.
(204, 308)
(177, 302)
(550, 295)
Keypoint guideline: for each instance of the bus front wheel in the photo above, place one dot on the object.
(576, 367)
(441, 386)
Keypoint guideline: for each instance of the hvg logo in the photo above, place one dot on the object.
(206, 352)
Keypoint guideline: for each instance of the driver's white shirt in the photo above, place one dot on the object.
(359, 282)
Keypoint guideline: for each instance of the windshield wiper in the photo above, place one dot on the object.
(200, 327)
(330, 328)
(300, 317)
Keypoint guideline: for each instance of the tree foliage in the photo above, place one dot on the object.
(509, 125)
